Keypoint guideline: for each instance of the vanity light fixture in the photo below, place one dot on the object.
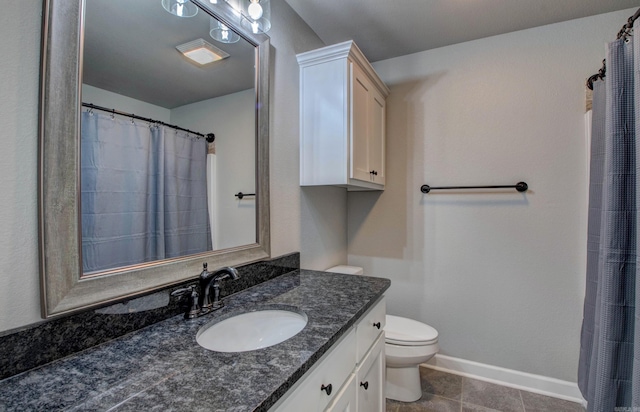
(220, 32)
(180, 8)
(202, 52)
(257, 15)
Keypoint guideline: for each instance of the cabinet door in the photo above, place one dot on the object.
(377, 113)
(360, 114)
(345, 401)
(370, 381)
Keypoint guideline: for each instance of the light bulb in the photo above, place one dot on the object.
(255, 10)
(213, 1)
(255, 27)
(179, 9)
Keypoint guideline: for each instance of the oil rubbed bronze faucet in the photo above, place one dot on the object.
(203, 302)
(210, 280)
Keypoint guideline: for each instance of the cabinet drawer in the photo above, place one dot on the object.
(369, 327)
(332, 369)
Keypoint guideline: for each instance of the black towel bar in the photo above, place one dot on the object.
(520, 187)
(240, 195)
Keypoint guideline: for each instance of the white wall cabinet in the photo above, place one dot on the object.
(353, 369)
(342, 119)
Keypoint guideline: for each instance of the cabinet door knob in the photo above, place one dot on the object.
(375, 173)
(365, 384)
(377, 325)
(326, 388)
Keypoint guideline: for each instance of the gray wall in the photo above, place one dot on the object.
(19, 69)
(500, 274)
(230, 117)
(310, 220)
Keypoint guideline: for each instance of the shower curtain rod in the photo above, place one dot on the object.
(623, 33)
(210, 137)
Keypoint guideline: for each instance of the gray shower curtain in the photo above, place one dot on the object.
(609, 368)
(143, 193)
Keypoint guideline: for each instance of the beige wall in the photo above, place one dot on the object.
(499, 274)
(19, 67)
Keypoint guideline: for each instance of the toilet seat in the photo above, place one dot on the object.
(408, 332)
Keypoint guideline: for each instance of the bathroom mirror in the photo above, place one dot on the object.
(126, 88)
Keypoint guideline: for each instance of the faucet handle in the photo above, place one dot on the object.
(192, 292)
(184, 291)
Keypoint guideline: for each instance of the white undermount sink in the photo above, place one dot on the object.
(251, 330)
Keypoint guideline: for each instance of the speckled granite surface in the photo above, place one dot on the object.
(36, 345)
(161, 367)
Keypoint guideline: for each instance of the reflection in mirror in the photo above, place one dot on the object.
(152, 187)
(107, 66)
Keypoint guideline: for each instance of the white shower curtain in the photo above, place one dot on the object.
(211, 196)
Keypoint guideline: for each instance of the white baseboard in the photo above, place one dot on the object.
(507, 377)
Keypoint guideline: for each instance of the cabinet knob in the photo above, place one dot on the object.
(326, 388)
(365, 384)
(377, 325)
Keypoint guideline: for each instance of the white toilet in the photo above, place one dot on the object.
(408, 343)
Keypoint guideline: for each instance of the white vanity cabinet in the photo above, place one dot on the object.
(342, 119)
(346, 400)
(353, 368)
(370, 379)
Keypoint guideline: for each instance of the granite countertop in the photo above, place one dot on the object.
(161, 367)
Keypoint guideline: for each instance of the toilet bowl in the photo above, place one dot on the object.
(408, 343)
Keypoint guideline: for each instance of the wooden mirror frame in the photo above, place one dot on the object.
(63, 288)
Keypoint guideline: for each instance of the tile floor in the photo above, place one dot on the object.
(445, 392)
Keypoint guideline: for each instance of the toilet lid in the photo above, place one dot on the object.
(408, 332)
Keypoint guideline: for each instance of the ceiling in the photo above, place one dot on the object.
(384, 29)
(130, 49)
(130, 45)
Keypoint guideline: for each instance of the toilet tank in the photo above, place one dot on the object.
(347, 270)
